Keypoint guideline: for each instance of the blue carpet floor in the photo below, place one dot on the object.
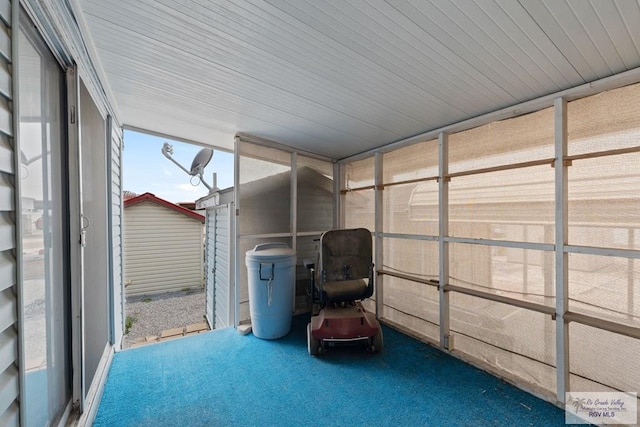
(221, 378)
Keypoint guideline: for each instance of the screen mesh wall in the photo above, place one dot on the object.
(265, 190)
(515, 342)
(606, 121)
(514, 204)
(521, 139)
(413, 162)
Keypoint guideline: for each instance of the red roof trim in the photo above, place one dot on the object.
(167, 204)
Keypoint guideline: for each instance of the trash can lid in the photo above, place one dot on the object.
(273, 252)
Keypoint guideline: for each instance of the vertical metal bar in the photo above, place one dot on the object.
(443, 246)
(236, 229)
(562, 269)
(111, 289)
(294, 213)
(232, 317)
(75, 230)
(378, 215)
(630, 275)
(337, 198)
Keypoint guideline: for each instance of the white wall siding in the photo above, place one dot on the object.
(222, 268)
(163, 250)
(9, 360)
(116, 234)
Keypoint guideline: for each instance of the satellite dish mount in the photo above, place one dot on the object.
(200, 161)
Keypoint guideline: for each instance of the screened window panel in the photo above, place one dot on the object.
(315, 194)
(515, 342)
(604, 202)
(413, 257)
(605, 287)
(522, 274)
(603, 361)
(606, 121)
(359, 209)
(515, 204)
(520, 139)
(412, 305)
(411, 209)
(360, 173)
(413, 162)
(265, 190)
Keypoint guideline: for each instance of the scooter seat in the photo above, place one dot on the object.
(344, 290)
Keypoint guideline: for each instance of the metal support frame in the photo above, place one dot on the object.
(75, 230)
(110, 290)
(561, 239)
(378, 213)
(338, 210)
(236, 230)
(293, 217)
(443, 245)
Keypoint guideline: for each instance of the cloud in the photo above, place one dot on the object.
(166, 172)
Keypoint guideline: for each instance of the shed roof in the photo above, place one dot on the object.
(149, 197)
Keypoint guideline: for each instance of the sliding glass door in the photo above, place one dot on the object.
(47, 386)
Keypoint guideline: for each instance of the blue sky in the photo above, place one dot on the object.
(145, 169)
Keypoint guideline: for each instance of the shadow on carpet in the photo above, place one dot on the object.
(221, 378)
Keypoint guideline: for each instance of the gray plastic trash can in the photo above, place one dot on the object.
(271, 277)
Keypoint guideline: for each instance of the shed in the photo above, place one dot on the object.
(163, 249)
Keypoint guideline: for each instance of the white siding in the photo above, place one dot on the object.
(9, 374)
(116, 235)
(218, 269)
(162, 250)
(222, 269)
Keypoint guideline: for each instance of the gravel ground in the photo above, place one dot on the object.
(155, 313)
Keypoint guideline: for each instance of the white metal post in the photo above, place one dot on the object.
(337, 197)
(562, 269)
(76, 236)
(236, 229)
(293, 228)
(443, 246)
(378, 215)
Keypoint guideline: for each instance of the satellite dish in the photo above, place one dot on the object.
(200, 161)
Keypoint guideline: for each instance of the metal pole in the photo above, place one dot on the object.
(443, 245)
(562, 269)
(378, 215)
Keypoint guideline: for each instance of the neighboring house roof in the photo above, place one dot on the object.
(148, 197)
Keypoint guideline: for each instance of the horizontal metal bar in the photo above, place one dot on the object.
(178, 138)
(540, 308)
(410, 181)
(604, 153)
(502, 243)
(521, 165)
(607, 325)
(409, 236)
(590, 250)
(264, 236)
(408, 277)
(244, 137)
(349, 190)
(309, 233)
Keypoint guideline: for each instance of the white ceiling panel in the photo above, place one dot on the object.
(337, 78)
